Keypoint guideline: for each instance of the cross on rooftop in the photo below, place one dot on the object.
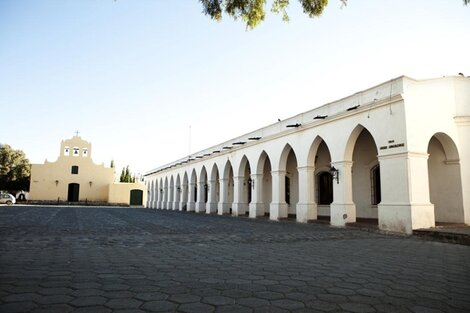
(77, 132)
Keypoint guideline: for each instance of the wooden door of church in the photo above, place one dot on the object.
(74, 190)
(136, 197)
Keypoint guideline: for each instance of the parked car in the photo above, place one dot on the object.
(7, 198)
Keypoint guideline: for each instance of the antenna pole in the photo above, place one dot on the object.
(189, 147)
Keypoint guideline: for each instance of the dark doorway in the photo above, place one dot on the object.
(287, 190)
(375, 192)
(325, 188)
(136, 197)
(74, 190)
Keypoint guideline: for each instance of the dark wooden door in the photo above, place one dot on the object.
(74, 190)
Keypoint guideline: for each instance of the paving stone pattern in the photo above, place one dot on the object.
(83, 259)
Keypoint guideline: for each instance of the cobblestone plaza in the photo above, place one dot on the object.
(87, 259)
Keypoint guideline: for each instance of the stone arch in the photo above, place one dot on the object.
(171, 193)
(320, 159)
(214, 190)
(161, 194)
(364, 164)
(264, 168)
(288, 163)
(165, 194)
(177, 192)
(192, 195)
(445, 182)
(202, 190)
(184, 192)
(203, 182)
(246, 191)
(226, 190)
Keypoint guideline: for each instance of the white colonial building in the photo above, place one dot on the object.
(397, 153)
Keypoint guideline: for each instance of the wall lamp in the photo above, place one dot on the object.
(335, 174)
(91, 183)
(56, 182)
(178, 188)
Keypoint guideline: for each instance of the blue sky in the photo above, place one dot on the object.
(132, 76)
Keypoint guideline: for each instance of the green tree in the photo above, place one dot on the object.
(126, 176)
(15, 169)
(252, 12)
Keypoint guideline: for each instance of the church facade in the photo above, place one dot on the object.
(74, 177)
(397, 154)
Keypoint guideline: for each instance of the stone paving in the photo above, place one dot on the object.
(85, 259)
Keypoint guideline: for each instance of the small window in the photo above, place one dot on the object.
(85, 152)
(74, 169)
(76, 151)
(66, 151)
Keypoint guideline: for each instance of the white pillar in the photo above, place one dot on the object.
(257, 206)
(463, 128)
(239, 206)
(278, 207)
(405, 203)
(211, 206)
(306, 208)
(343, 209)
(223, 205)
(201, 201)
(191, 206)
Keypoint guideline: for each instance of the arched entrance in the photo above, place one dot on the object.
(264, 170)
(226, 190)
(445, 184)
(323, 182)
(203, 191)
(291, 183)
(366, 178)
(136, 196)
(73, 192)
(214, 190)
(243, 188)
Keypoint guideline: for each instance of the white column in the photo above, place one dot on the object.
(306, 208)
(223, 205)
(278, 207)
(405, 201)
(191, 206)
(201, 204)
(463, 128)
(239, 206)
(343, 209)
(257, 206)
(211, 206)
(184, 197)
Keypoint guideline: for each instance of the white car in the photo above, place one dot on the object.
(7, 198)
